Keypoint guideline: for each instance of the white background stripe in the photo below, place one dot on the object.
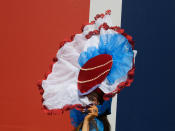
(98, 7)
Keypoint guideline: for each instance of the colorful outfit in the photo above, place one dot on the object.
(102, 56)
(77, 116)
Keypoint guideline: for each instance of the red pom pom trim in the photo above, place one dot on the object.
(122, 85)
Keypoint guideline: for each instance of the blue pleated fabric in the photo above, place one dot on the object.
(119, 48)
(77, 116)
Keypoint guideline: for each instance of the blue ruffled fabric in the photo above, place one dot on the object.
(105, 108)
(77, 116)
(119, 48)
(99, 126)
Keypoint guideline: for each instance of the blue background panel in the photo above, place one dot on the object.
(149, 104)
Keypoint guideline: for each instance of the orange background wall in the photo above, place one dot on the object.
(30, 31)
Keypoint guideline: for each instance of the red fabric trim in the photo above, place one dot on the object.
(55, 59)
(122, 85)
(130, 77)
(89, 35)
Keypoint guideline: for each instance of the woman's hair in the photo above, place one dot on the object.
(99, 94)
(105, 121)
(102, 118)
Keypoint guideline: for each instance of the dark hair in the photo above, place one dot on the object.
(105, 121)
(103, 117)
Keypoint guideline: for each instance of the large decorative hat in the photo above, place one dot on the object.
(102, 57)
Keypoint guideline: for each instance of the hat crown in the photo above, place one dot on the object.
(93, 72)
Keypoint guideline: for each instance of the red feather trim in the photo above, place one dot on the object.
(128, 82)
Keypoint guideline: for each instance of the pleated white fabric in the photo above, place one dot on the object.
(60, 87)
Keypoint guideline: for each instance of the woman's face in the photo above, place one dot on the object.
(93, 97)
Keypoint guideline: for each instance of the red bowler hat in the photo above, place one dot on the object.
(94, 72)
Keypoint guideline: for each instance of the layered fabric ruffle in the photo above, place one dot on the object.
(118, 47)
(59, 87)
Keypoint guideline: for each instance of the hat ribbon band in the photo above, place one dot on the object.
(94, 77)
(86, 69)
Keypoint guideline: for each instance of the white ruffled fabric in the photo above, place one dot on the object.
(60, 87)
